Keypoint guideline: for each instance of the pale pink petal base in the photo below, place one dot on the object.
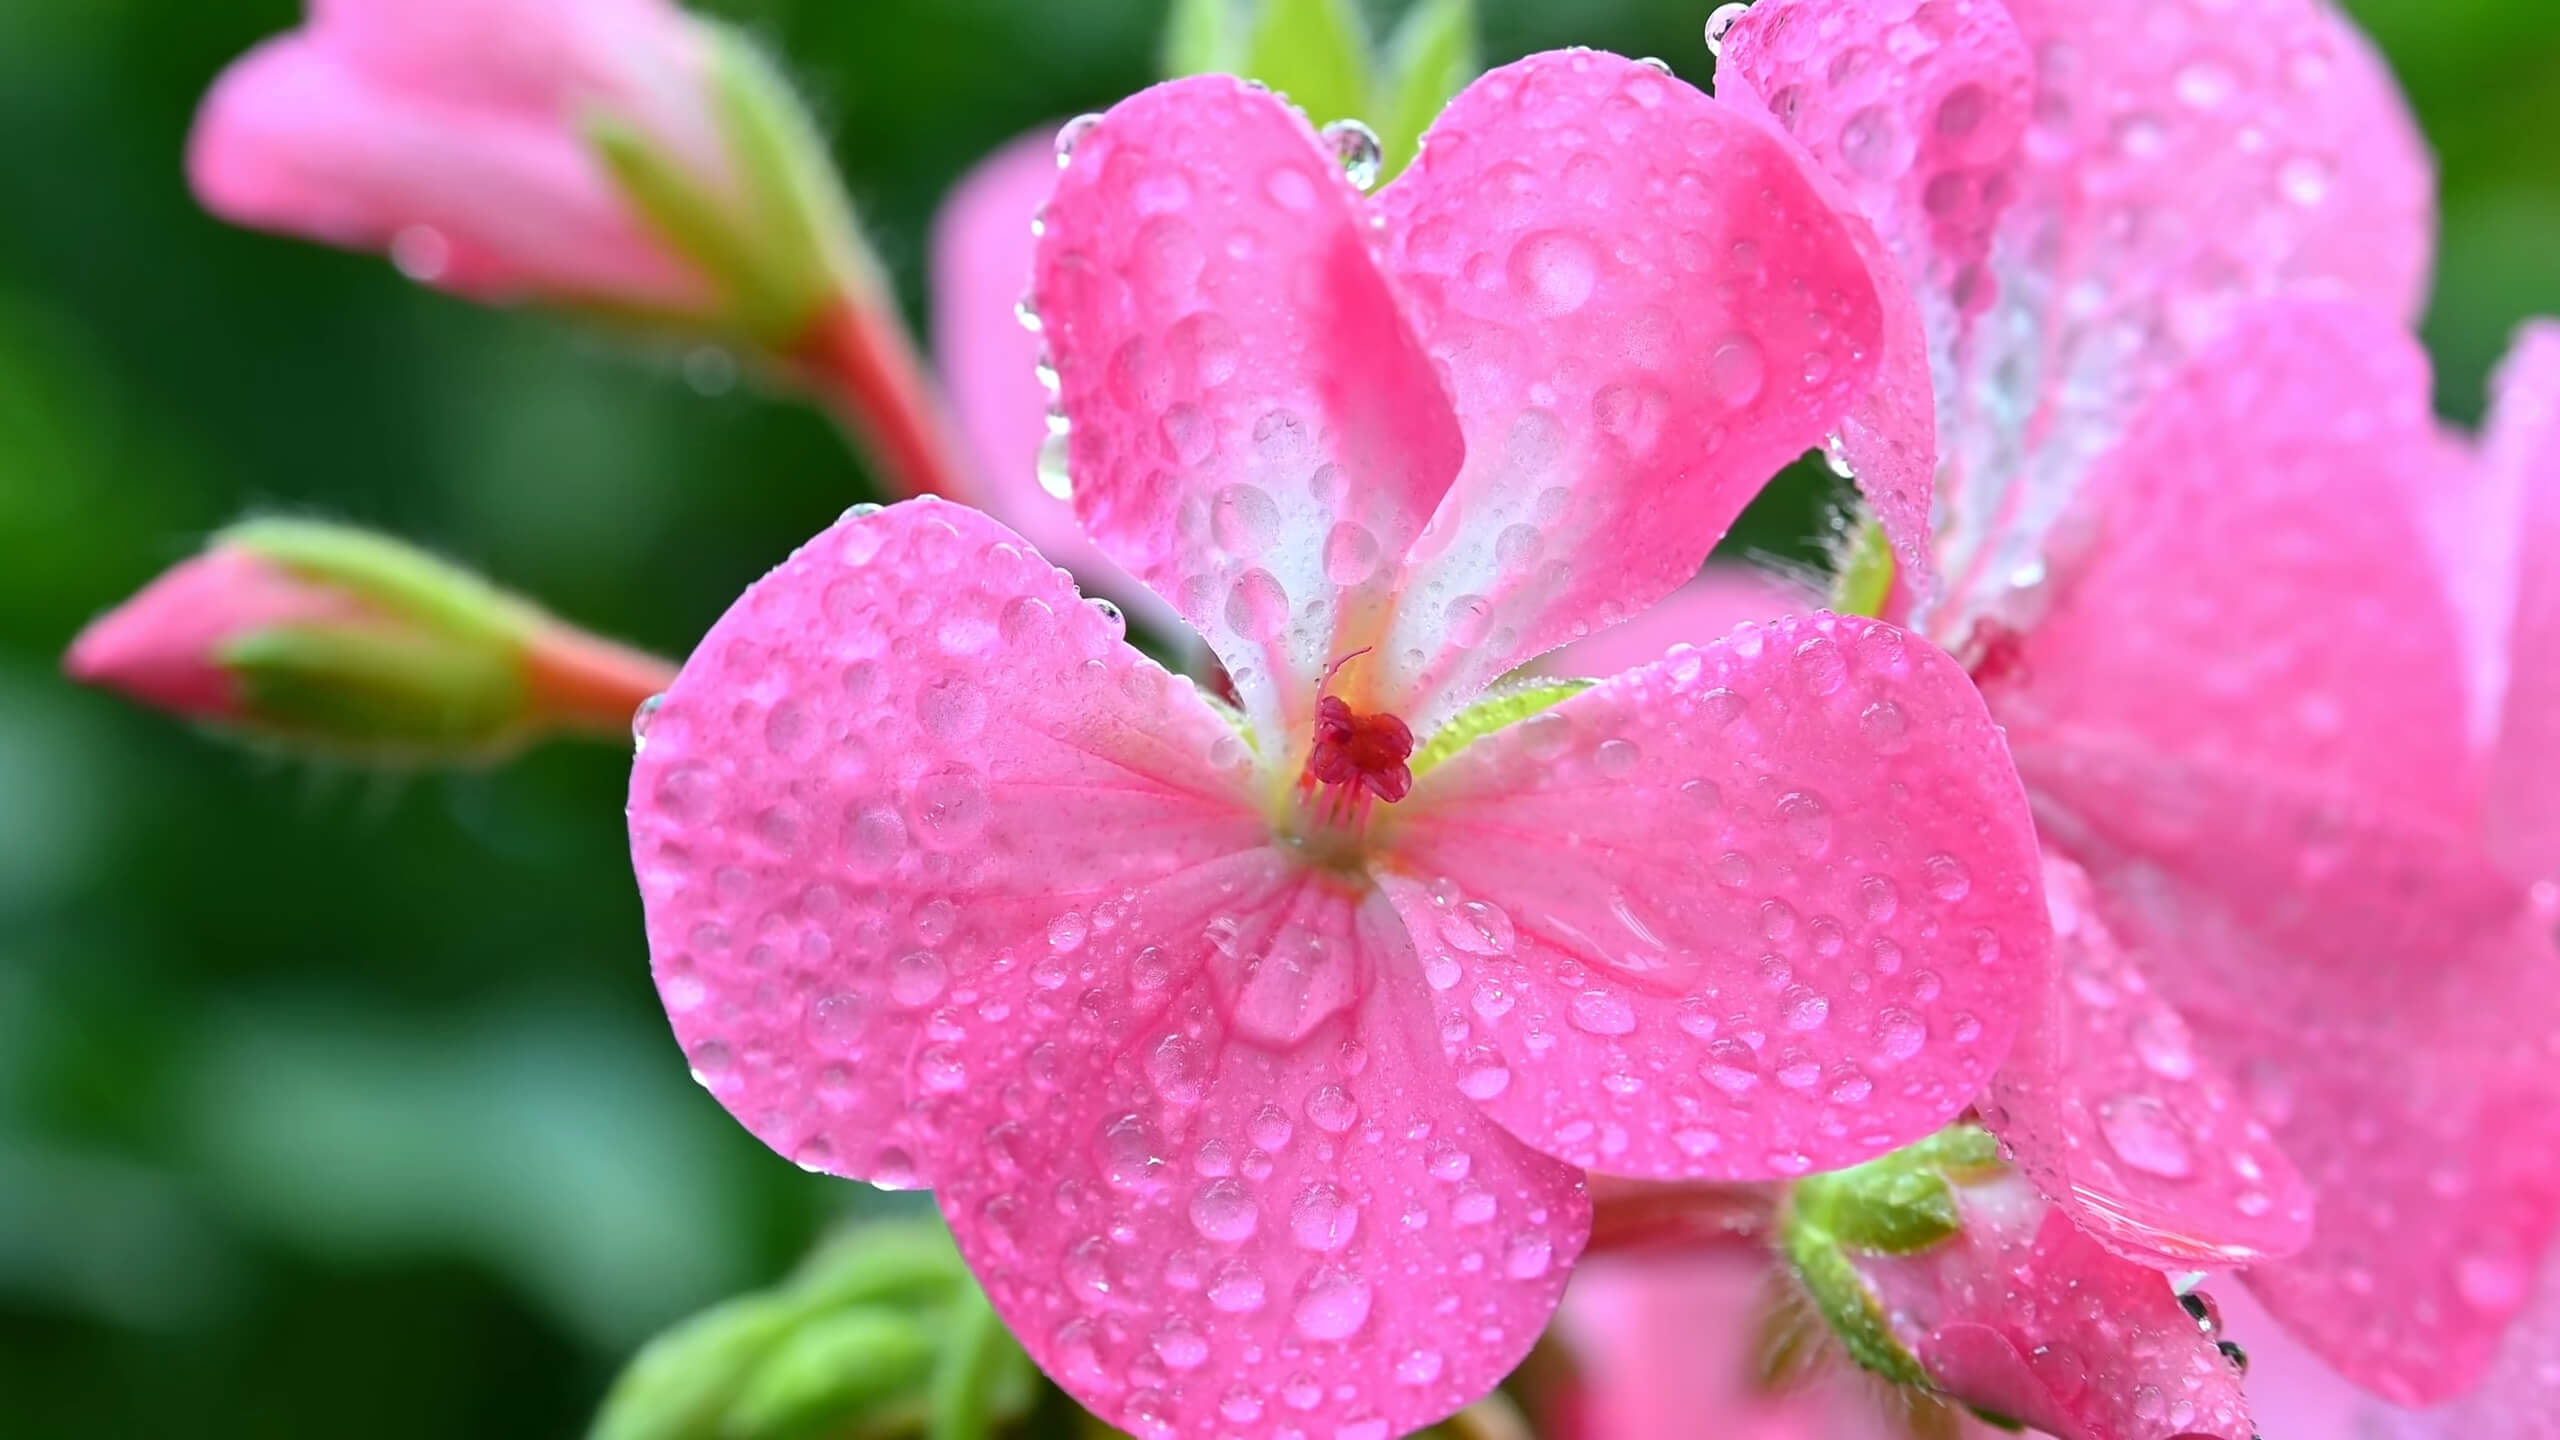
(1765, 907)
(2110, 1108)
(2025, 1315)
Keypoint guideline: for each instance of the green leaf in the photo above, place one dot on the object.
(1431, 58)
(1508, 707)
(681, 1386)
(982, 1374)
(1201, 37)
(833, 1371)
(1899, 1203)
(1314, 52)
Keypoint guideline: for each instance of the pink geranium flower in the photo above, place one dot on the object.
(1256, 1058)
(2303, 1018)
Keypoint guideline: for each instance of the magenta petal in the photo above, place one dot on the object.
(2109, 1107)
(2178, 159)
(2522, 456)
(2519, 1399)
(1765, 907)
(1257, 434)
(2024, 1314)
(893, 791)
(1643, 306)
(2246, 584)
(1201, 1232)
(2383, 995)
(982, 248)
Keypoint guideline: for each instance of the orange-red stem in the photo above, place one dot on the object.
(859, 356)
(587, 685)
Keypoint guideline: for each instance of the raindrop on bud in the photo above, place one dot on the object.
(1835, 457)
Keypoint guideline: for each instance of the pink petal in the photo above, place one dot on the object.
(1722, 597)
(1915, 111)
(1627, 286)
(982, 246)
(475, 199)
(2384, 997)
(1257, 434)
(2519, 1399)
(2109, 1108)
(1665, 1347)
(1200, 1231)
(2523, 454)
(2024, 1314)
(1762, 908)
(164, 646)
(882, 810)
(2124, 228)
(2291, 1392)
(2245, 585)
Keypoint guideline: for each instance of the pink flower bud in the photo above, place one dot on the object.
(164, 646)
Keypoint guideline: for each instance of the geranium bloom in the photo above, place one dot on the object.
(2301, 1011)
(1255, 1058)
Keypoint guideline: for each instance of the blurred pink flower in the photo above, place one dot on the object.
(990, 363)
(2303, 1019)
(1259, 1103)
(448, 132)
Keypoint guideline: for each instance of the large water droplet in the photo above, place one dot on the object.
(1735, 369)
(1073, 132)
(1602, 1013)
(1224, 1211)
(1554, 271)
(2146, 1136)
(1334, 1307)
(1355, 146)
(1720, 23)
(1323, 1219)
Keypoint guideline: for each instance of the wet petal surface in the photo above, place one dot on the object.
(1765, 907)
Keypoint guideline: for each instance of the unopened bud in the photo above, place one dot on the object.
(881, 1332)
(331, 640)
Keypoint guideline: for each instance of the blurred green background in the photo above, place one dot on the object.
(331, 1105)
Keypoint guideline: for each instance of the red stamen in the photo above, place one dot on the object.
(1360, 752)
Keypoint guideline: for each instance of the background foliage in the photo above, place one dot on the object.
(330, 1105)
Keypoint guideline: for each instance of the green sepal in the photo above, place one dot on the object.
(833, 1371)
(385, 695)
(1864, 579)
(782, 247)
(888, 1262)
(681, 1385)
(1847, 1305)
(1429, 60)
(1506, 707)
(1313, 51)
(391, 576)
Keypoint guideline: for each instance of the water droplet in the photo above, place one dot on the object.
(1554, 271)
(1479, 927)
(1602, 1013)
(1224, 1211)
(1835, 457)
(1482, 1075)
(1615, 759)
(1720, 23)
(1334, 1307)
(640, 720)
(1355, 146)
(2146, 1136)
(421, 253)
(1052, 466)
(1529, 1255)
(1237, 1288)
(1804, 1009)
(1323, 1220)
(1735, 370)
(1073, 132)
(1332, 1110)
(1469, 619)
(1807, 821)
(1948, 878)
(2160, 1038)
(1418, 1367)
(1900, 1034)
(1867, 143)
(2304, 179)
(2495, 1284)
(1351, 553)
